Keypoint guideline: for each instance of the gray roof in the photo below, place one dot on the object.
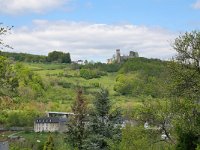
(60, 113)
(50, 120)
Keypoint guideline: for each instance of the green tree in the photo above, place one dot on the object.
(104, 125)
(76, 127)
(137, 138)
(58, 56)
(8, 78)
(185, 89)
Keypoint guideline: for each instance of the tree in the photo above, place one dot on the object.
(58, 56)
(8, 78)
(3, 32)
(179, 117)
(104, 125)
(185, 89)
(137, 138)
(49, 144)
(76, 127)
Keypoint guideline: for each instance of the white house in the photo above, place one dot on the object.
(55, 121)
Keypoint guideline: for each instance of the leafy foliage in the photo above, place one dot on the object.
(141, 76)
(89, 74)
(57, 56)
(186, 90)
(4, 30)
(8, 78)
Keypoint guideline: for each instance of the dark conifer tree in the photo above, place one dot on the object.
(76, 127)
(104, 125)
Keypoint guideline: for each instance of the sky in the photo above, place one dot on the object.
(94, 29)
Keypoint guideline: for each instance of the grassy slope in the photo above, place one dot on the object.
(60, 99)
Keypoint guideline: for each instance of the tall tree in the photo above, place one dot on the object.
(8, 78)
(185, 87)
(104, 125)
(76, 127)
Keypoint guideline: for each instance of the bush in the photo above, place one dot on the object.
(64, 84)
(90, 74)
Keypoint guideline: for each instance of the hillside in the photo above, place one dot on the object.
(53, 86)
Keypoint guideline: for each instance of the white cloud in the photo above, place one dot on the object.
(91, 41)
(196, 5)
(24, 6)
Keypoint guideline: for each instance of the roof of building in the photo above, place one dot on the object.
(60, 113)
(50, 120)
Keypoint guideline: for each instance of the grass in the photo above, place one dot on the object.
(45, 66)
(34, 140)
(62, 81)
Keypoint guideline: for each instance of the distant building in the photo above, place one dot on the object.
(80, 62)
(117, 58)
(50, 124)
(55, 121)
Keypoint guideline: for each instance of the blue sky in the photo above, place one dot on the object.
(93, 29)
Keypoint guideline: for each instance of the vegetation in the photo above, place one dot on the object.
(59, 57)
(90, 74)
(23, 57)
(186, 90)
(49, 144)
(103, 125)
(4, 30)
(55, 56)
(165, 95)
(76, 128)
(142, 76)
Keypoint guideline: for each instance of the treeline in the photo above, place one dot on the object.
(55, 56)
(92, 70)
(102, 67)
(96, 70)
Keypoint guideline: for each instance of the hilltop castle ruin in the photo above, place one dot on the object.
(117, 58)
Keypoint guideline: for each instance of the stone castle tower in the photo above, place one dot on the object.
(118, 56)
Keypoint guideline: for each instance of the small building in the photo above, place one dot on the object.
(80, 62)
(50, 124)
(54, 121)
